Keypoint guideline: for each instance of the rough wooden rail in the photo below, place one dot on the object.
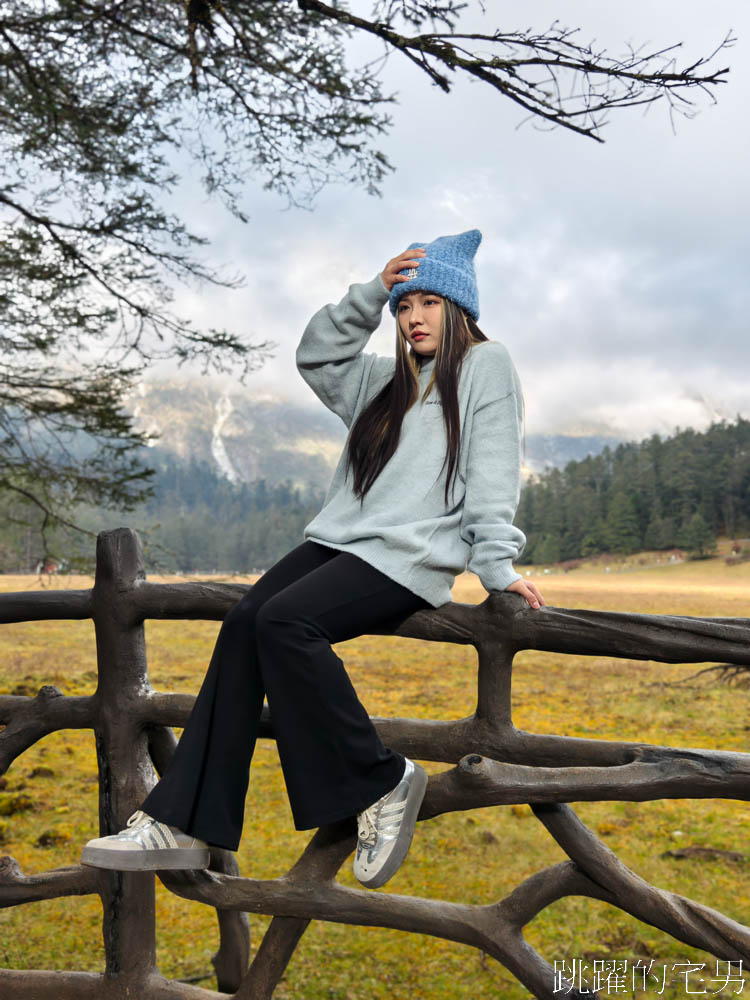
(495, 763)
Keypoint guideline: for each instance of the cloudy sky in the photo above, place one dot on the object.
(616, 274)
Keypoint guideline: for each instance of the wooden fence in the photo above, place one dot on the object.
(495, 764)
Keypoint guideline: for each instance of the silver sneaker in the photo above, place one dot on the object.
(146, 845)
(385, 829)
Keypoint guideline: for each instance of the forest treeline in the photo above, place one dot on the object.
(655, 494)
(195, 521)
(201, 522)
(680, 491)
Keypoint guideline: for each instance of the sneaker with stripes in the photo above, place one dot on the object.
(385, 829)
(146, 845)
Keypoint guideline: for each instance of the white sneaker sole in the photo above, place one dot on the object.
(405, 835)
(147, 860)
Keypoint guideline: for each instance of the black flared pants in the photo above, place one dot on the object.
(276, 642)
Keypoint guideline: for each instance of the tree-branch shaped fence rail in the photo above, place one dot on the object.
(495, 764)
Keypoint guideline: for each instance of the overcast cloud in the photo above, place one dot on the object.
(617, 275)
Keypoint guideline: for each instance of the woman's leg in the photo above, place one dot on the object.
(334, 763)
(277, 640)
(203, 790)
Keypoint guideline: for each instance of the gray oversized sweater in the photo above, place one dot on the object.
(403, 527)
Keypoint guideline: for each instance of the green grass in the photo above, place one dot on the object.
(475, 857)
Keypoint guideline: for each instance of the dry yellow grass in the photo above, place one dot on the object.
(476, 857)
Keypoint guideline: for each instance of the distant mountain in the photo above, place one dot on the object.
(246, 436)
(241, 434)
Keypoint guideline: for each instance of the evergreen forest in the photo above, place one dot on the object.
(194, 521)
(682, 492)
(203, 522)
(657, 494)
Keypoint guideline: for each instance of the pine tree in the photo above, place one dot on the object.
(622, 525)
(698, 538)
(547, 550)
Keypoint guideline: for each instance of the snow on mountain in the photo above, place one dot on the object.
(218, 448)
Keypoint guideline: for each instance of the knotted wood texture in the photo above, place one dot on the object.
(495, 763)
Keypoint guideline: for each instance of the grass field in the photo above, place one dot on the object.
(473, 857)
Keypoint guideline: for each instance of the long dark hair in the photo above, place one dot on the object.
(375, 434)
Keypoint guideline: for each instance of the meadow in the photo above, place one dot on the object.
(475, 857)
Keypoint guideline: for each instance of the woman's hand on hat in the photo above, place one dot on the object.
(528, 591)
(409, 258)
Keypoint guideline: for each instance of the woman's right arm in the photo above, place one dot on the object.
(330, 354)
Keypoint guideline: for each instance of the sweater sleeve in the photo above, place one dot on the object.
(330, 354)
(493, 485)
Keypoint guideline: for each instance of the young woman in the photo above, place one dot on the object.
(428, 481)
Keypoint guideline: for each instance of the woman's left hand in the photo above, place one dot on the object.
(528, 591)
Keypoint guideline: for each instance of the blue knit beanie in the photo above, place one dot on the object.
(446, 269)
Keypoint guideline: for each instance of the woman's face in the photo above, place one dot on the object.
(420, 316)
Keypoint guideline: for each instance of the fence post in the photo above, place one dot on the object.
(128, 898)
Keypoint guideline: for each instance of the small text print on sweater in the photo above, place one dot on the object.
(403, 528)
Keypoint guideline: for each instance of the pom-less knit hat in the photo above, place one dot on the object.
(446, 269)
